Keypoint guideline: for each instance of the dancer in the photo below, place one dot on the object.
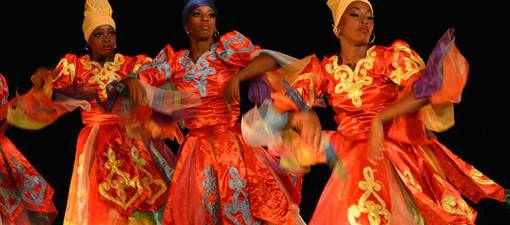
(386, 104)
(218, 178)
(119, 175)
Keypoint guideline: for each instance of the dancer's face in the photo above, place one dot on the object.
(357, 24)
(201, 23)
(102, 41)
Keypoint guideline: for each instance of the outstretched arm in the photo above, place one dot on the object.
(257, 67)
(408, 104)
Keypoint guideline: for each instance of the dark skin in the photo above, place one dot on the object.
(200, 27)
(102, 43)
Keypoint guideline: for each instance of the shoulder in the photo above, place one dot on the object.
(397, 49)
(234, 40)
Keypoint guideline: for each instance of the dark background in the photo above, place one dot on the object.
(38, 33)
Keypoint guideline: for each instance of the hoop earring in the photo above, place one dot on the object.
(372, 38)
(337, 31)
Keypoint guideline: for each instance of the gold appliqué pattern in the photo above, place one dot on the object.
(138, 65)
(148, 180)
(350, 81)
(68, 69)
(103, 75)
(450, 205)
(119, 181)
(477, 176)
(412, 64)
(375, 210)
(416, 187)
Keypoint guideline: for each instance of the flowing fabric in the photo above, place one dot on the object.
(25, 197)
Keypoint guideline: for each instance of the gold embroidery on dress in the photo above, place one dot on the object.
(450, 205)
(103, 75)
(352, 82)
(478, 177)
(148, 180)
(118, 181)
(375, 210)
(68, 69)
(416, 187)
(138, 65)
(413, 64)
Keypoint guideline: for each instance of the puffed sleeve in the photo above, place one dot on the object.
(236, 50)
(158, 70)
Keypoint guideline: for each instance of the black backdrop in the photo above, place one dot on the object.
(36, 33)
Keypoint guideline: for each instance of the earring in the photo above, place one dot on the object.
(86, 47)
(372, 37)
(337, 31)
(216, 34)
(187, 32)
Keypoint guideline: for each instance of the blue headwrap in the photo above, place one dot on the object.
(190, 5)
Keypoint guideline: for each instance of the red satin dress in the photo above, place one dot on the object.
(25, 197)
(219, 179)
(116, 179)
(419, 181)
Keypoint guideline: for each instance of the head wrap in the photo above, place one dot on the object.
(190, 5)
(97, 13)
(338, 8)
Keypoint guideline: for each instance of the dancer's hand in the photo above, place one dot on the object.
(136, 90)
(308, 125)
(375, 141)
(231, 92)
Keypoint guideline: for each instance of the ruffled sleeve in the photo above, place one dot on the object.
(236, 50)
(400, 64)
(303, 82)
(442, 82)
(65, 71)
(38, 108)
(159, 70)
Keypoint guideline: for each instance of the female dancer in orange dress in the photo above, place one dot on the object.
(386, 101)
(218, 178)
(116, 179)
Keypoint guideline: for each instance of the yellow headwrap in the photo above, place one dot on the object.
(338, 8)
(97, 13)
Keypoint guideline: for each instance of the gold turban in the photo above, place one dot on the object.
(97, 13)
(338, 8)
